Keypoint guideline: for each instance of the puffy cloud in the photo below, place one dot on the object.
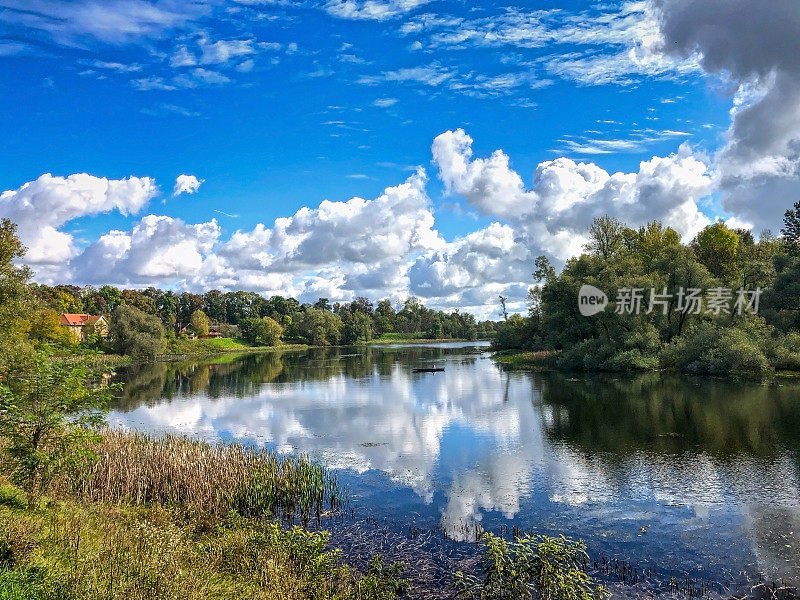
(186, 184)
(338, 249)
(566, 195)
(158, 249)
(42, 206)
(386, 246)
(488, 184)
(480, 265)
(754, 46)
(551, 217)
(358, 231)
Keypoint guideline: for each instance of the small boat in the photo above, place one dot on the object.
(433, 369)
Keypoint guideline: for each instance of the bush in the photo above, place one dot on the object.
(135, 333)
(516, 333)
(636, 351)
(784, 353)
(713, 350)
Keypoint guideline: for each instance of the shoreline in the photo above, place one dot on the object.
(544, 360)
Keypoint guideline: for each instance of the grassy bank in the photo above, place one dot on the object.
(179, 519)
(543, 359)
(410, 338)
(221, 346)
(102, 551)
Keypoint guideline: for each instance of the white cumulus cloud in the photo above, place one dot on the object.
(42, 206)
(186, 184)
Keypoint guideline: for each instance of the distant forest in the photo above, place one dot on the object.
(237, 314)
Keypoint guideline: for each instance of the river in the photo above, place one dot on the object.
(678, 476)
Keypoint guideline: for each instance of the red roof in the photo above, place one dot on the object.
(77, 320)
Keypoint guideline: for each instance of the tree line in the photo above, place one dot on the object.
(725, 271)
(142, 321)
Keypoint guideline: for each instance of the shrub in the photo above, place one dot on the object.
(534, 566)
(713, 350)
(785, 352)
(516, 333)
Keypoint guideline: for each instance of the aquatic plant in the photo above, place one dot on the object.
(532, 566)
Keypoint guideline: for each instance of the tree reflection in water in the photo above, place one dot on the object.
(712, 465)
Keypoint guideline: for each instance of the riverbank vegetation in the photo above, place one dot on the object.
(663, 329)
(156, 320)
(180, 519)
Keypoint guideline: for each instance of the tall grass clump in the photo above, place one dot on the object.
(105, 552)
(203, 480)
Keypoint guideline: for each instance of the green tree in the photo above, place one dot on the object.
(606, 237)
(45, 418)
(436, 330)
(139, 300)
(45, 326)
(135, 333)
(214, 305)
(716, 247)
(263, 332)
(650, 241)
(319, 327)
(112, 297)
(791, 227)
(16, 350)
(544, 270)
(385, 316)
(200, 323)
(323, 304)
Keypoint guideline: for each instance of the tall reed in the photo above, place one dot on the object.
(207, 481)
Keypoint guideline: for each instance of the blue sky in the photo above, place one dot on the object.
(279, 105)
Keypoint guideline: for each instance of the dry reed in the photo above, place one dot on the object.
(204, 480)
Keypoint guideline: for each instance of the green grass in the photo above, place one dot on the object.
(72, 551)
(544, 359)
(221, 346)
(177, 519)
(408, 338)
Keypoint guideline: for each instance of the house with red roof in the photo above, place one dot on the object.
(78, 325)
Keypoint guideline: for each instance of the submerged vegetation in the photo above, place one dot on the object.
(528, 567)
(661, 329)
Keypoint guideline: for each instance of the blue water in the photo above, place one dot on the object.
(681, 475)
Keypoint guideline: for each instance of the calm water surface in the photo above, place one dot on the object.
(687, 476)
